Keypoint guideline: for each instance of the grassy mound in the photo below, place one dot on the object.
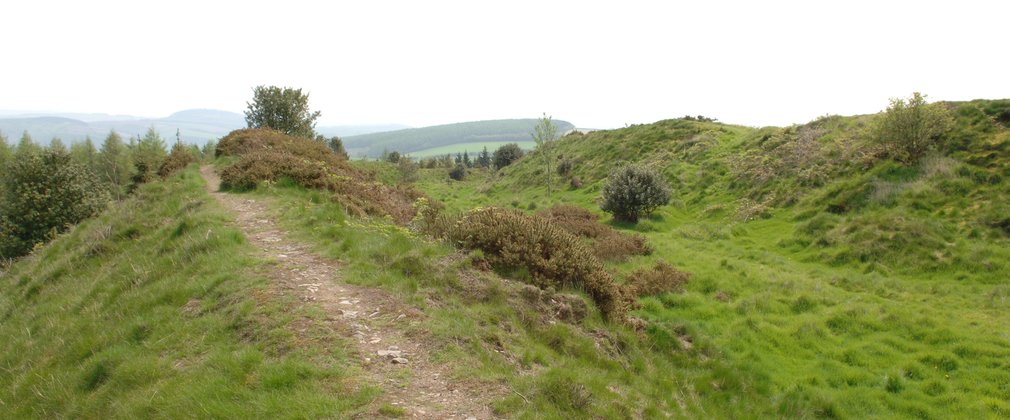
(150, 310)
(268, 155)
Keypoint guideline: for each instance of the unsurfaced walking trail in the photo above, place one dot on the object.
(395, 360)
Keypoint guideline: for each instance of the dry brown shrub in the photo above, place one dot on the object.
(244, 141)
(608, 243)
(662, 278)
(620, 246)
(553, 257)
(268, 155)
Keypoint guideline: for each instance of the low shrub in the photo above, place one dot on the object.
(244, 141)
(662, 278)
(553, 257)
(458, 172)
(633, 191)
(179, 158)
(565, 166)
(505, 155)
(408, 170)
(608, 243)
(267, 155)
(620, 247)
(269, 165)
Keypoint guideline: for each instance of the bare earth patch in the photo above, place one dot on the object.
(393, 359)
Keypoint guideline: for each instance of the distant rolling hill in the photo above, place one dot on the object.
(440, 137)
(195, 126)
(357, 130)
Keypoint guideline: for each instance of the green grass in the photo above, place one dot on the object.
(489, 334)
(804, 337)
(154, 309)
(894, 307)
(472, 149)
(877, 291)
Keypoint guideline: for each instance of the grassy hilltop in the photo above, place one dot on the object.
(823, 279)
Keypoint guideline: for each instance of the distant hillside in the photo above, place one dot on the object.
(196, 126)
(419, 139)
(357, 130)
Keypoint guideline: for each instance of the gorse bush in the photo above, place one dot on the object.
(44, 194)
(633, 191)
(607, 242)
(241, 142)
(270, 165)
(179, 158)
(513, 240)
(268, 155)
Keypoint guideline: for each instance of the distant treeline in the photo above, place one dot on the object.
(416, 139)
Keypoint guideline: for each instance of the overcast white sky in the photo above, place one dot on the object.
(596, 64)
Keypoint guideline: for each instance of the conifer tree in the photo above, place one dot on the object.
(26, 146)
(5, 151)
(114, 164)
(484, 158)
(85, 154)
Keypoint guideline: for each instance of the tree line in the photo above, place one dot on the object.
(44, 190)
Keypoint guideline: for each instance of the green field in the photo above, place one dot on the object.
(473, 149)
(413, 140)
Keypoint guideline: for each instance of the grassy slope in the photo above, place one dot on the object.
(154, 309)
(417, 139)
(481, 324)
(809, 320)
(142, 312)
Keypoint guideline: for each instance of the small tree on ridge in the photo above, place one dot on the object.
(282, 109)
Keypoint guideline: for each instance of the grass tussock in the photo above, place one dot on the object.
(266, 155)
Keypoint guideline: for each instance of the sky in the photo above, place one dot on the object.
(595, 64)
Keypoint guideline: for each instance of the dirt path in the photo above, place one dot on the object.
(376, 320)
